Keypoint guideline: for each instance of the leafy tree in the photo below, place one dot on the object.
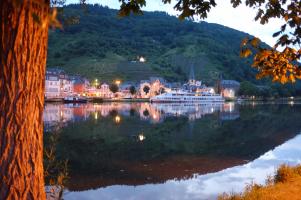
(248, 89)
(146, 89)
(132, 90)
(114, 88)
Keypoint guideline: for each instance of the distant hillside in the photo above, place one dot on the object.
(104, 46)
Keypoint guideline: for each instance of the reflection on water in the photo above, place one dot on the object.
(206, 186)
(170, 151)
(55, 114)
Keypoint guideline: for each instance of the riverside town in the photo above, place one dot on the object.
(59, 85)
(150, 100)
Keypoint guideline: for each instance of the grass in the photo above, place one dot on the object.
(286, 184)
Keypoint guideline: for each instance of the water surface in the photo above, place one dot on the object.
(171, 151)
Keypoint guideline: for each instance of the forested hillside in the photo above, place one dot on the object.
(104, 46)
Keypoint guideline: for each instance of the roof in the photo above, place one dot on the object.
(55, 71)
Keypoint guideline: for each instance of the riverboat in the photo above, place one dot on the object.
(187, 96)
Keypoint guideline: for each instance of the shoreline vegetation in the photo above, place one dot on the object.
(285, 184)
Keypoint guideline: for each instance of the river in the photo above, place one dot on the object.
(170, 151)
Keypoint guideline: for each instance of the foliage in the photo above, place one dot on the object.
(55, 170)
(284, 185)
(114, 87)
(104, 46)
(286, 173)
(282, 66)
(146, 89)
(133, 90)
(248, 89)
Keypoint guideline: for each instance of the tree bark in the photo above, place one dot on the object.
(23, 51)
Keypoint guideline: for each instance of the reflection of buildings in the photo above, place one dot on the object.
(57, 115)
(229, 112)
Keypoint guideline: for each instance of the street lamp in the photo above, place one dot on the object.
(117, 82)
(96, 82)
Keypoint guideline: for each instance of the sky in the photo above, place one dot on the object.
(241, 18)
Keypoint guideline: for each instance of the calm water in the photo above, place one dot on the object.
(171, 151)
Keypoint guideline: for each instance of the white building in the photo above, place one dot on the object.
(57, 84)
(105, 91)
(52, 85)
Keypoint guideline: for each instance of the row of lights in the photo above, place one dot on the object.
(117, 82)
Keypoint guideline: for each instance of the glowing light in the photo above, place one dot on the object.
(142, 59)
(117, 82)
(117, 119)
(95, 115)
(141, 137)
(154, 116)
(61, 113)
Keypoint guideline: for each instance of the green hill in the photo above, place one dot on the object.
(105, 46)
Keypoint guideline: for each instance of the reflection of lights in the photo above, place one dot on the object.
(95, 115)
(291, 97)
(117, 119)
(141, 137)
(154, 116)
(231, 105)
(61, 114)
(291, 103)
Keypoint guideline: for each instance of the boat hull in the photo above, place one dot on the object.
(185, 101)
(75, 100)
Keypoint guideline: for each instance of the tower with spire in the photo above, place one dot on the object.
(191, 80)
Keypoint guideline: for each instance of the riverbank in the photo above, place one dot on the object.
(100, 100)
(286, 184)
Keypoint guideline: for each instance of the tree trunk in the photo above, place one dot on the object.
(23, 51)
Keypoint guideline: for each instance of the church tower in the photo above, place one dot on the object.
(191, 75)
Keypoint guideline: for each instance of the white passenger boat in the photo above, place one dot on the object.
(187, 96)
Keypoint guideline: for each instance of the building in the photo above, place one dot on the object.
(125, 89)
(229, 88)
(80, 85)
(57, 84)
(105, 91)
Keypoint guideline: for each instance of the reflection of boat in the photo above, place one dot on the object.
(186, 96)
(75, 99)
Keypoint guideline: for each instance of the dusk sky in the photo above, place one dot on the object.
(241, 18)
